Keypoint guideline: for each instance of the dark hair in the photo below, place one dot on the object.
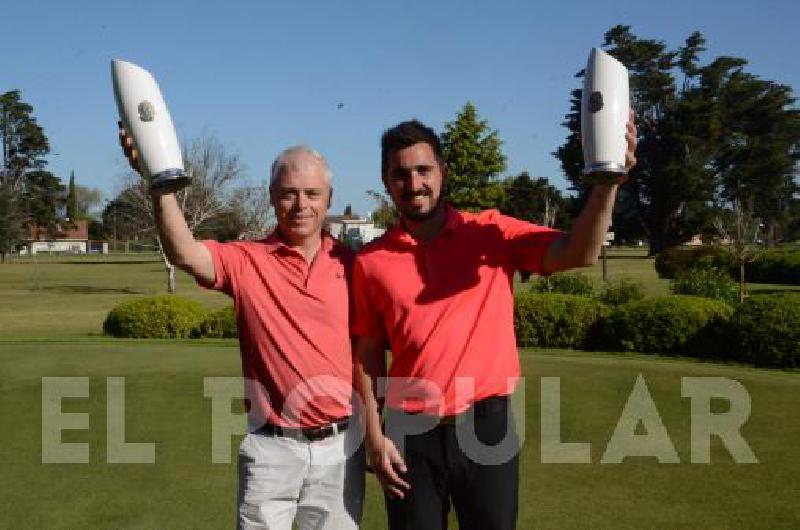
(405, 135)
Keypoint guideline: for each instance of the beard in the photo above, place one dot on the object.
(409, 212)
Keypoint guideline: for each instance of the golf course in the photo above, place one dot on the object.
(51, 327)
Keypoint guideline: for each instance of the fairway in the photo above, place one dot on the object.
(53, 330)
(165, 405)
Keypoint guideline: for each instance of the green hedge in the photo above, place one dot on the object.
(557, 320)
(765, 331)
(676, 260)
(770, 266)
(155, 317)
(564, 283)
(621, 291)
(775, 266)
(709, 283)
(220, 324)
(676, 324)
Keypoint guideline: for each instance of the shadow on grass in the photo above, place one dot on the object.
(87, 289)
(768, 290)
(612, 257)
(109, 262)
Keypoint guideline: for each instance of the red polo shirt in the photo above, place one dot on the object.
(446, 308)
(293, 322)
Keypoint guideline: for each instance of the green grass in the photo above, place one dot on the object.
(50, 325)
(184, 489)
(70, 296)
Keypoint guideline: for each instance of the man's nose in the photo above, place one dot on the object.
(302, 201)
(416, 181)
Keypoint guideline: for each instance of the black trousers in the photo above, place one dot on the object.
(471, 461)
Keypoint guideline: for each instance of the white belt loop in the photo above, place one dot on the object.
(335, 428)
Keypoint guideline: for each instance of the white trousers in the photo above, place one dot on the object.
(311, 485)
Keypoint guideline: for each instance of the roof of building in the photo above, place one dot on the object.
(62, 230)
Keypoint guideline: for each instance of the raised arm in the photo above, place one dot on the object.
(385, 459)
(180, 246)
(582, 245)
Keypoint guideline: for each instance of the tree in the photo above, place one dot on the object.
(43, 196)
(126, 217)
(212, 170)
(385, 214)
(72, 198)
(670, 186)
(474, 160)
(87, 200)
(28, 192)
(23, 140)
(534, 200)
(741, 229)
(11, 220)
(253, 207)
(758, 142)
(695, 124)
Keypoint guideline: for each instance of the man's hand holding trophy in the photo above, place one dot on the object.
(146, 131)
(608, 134)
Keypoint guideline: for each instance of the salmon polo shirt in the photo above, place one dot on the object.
(446, 308)
(293, 321)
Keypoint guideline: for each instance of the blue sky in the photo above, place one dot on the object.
(265, 75)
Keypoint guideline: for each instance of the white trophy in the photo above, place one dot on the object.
(604, 115)
(146, 118)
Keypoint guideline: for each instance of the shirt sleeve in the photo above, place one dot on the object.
(227, 258)
(527, 243)
(366, 320)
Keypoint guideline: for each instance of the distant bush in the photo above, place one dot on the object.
(621, 291)
(673, 261)
(770, 266)
(765, 331)
(564, 283)
(675, 324)
(708, 283)
(155, 317)
(775, 266)
(220, 324)
(556, 320)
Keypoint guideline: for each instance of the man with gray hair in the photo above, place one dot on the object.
(301, 462)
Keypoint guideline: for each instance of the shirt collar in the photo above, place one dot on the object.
(453, 219)
(275, 242)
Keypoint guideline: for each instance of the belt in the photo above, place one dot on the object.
(485, 407)
(310, 434)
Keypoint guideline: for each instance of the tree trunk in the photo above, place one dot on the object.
(742, 284)
(168, 267)
(773, 234)
(170, 278)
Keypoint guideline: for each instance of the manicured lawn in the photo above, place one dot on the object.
(70, 297)
(165, 404)
(50, 323)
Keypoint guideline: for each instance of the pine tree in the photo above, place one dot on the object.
(474, 160)
(28, 191)
(72, 199)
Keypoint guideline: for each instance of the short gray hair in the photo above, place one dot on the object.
(283, 162)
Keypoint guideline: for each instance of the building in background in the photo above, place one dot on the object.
(352, 231)
(67, 237)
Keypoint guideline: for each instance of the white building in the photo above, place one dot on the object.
(353, 231)
(65, 238)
